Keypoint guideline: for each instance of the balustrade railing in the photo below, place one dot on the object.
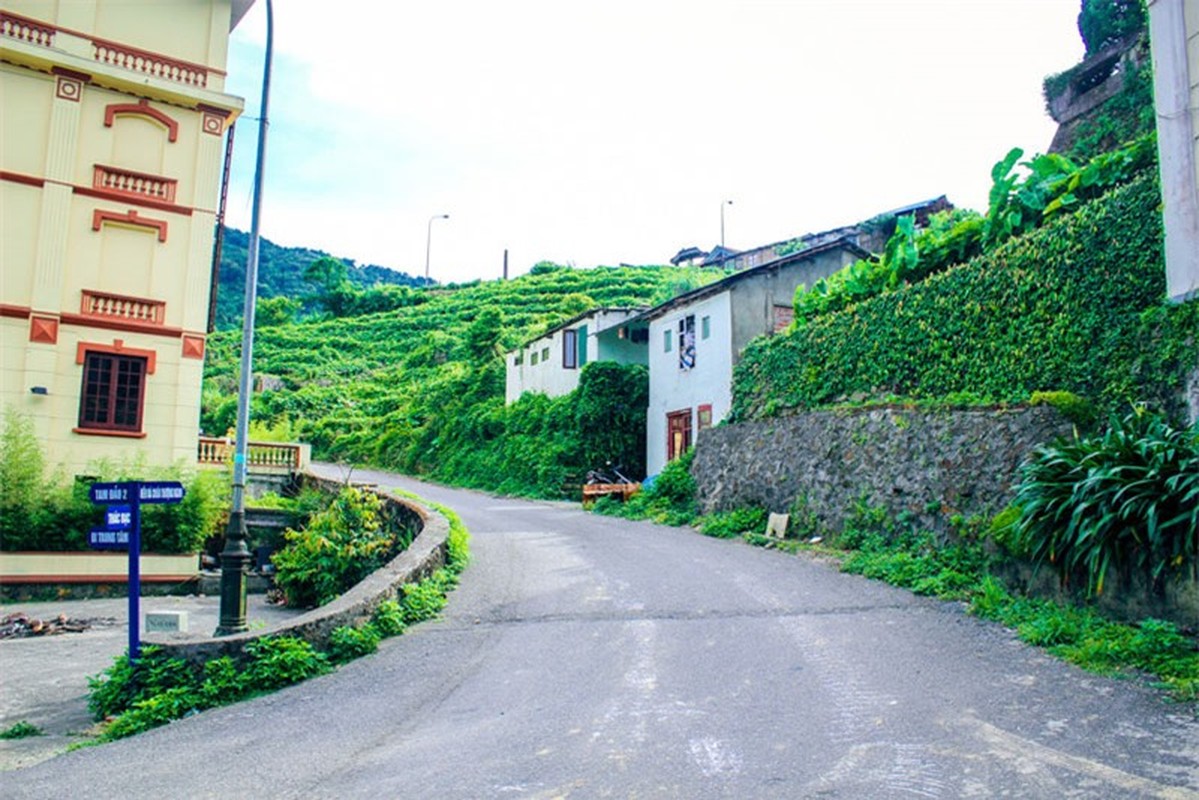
(215, 451)
(123, 308)
(26, 30)
(134, 184)
(14, 26)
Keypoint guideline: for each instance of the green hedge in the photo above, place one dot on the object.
(1075, 306)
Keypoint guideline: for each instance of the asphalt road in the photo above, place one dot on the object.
(593, 657)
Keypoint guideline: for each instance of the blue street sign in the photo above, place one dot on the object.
(105, 539)
(105, 493)
(146, 492)
(160, 492)
(118, 518)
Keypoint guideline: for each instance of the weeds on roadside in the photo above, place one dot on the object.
(133, 697)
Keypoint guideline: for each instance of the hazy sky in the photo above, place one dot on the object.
(608, 132)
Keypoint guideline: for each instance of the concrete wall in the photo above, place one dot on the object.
(1174, 38)
(426, 554)
(905, 460)
(754, 299)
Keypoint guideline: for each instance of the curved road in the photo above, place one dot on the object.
(585, 657)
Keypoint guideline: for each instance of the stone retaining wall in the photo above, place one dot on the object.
(426, 554)
(930, 463)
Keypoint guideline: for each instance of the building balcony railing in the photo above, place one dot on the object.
(134, 184)
(123, 308)
(149, 63)
(26, 30)
(260, 456)
(108, 52)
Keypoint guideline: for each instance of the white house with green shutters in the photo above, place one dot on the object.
(550, 364)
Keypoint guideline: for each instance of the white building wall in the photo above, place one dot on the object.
(709, 382)
(1174, 38)
(547, 376)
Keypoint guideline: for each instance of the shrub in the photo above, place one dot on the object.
(730, 524)
(347, 643)
(339, 547)
(388, 618)
(281, 661)
(1129, 497)
(422, 601)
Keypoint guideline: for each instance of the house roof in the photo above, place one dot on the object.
(687, 253)
(719, 255)
(633, 311)
(845, 242)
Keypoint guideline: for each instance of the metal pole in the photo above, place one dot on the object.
(429, 242)
(235, 558)
(722, 247)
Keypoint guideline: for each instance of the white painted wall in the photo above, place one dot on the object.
(1174, 37)
(548, 376)
(708, 383)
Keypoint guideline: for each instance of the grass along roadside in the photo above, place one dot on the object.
(129, 698)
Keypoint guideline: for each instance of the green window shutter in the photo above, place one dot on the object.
(582, 345)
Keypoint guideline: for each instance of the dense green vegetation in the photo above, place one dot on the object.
(1024, 196)
(281, 278)
(336, 548)
(1077, 305)
(420, 388)
(1126, 498)
(132, 696)
(41, 509)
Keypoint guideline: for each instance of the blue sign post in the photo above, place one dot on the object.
(123, 530)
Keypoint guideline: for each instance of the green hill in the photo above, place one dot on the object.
(397, 388)
(281, 274)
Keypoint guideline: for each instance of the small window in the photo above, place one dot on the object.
(113, 392)
(518, 359)
(666, 341)
(533, 359)
(545, 353)
(705, 327)
(704, 415)
(570, 349)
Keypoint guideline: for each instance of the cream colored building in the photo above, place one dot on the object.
(112, 145)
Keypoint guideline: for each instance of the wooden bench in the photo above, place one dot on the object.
(624, 491)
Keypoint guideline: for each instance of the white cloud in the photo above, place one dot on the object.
(601, 133)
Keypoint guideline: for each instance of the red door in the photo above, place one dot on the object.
(678, 433)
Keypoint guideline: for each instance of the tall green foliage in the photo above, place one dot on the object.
(1105, 22)
(1075, 306)
(1024, 195)
(1127, 498)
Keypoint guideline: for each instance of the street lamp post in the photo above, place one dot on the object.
(429, 241)
(722, 247)
(235, 558)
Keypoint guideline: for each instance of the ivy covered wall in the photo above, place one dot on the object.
(1077, 306)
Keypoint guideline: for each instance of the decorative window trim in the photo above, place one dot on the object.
(141, 108)
(116, 348)
(131, 217)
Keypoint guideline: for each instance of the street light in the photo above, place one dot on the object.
(235, 558)
(429, 242)
(722, 248)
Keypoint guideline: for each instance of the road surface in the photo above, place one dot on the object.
(586, 657)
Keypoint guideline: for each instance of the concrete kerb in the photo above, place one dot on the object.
(426, 554)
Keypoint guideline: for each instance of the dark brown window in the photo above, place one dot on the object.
(113, 390)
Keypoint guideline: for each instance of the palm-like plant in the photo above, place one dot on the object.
(1128, 497)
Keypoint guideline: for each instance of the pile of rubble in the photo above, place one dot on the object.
(20, 625)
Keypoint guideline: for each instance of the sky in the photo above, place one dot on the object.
(600, 133)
